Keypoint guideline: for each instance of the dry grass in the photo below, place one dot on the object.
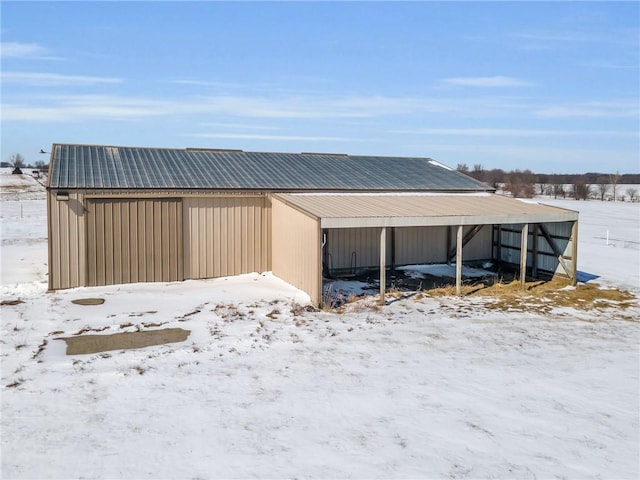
(543, 296)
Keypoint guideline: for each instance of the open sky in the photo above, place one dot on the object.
(553, 87)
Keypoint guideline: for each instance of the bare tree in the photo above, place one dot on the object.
(17, 162)
(581, 190)
(633, 193)
(614, 178)
(543, 188)
(463, 168)
(478, 172)
(603, 187)
(558, 189)
(521, 183)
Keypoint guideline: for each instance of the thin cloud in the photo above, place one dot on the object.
(251, 136)
(65, 108)
(514, 132)
(241, 126)
(489, 82)
(590, 110)
(556, 37)
(205, 83)
(73, 108)
(616, 37)
(25, 50)
(53, 79)
(608, 65)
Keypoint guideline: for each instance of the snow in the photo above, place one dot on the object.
(618, 261)
(438, 164)
(424, 387)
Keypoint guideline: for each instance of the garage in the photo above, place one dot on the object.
(136, 214)
(226, 235)
(133, 240)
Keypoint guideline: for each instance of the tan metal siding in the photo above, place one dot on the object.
(296, 249)
(421, 245)
(226, 236)
(479, 247)
(133, 241)
(66, 241)
(349, 248)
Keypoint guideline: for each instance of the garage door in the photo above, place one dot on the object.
(226, 236)
(134, 240)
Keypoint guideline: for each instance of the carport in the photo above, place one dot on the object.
(535, 237)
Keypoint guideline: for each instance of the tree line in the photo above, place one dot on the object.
(526, 184)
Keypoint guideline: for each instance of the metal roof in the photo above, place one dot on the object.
(388, 210)
(109, 167)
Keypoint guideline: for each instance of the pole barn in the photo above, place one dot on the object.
(128, 214)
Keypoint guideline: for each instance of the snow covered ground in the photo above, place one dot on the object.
(608, 239)
(424, 387)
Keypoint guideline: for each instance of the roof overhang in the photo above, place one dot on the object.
(422, 210)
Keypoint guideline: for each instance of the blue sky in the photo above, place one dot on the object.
(553, 87)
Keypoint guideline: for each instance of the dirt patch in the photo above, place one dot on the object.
(123, 341)
(88, 301)
(11, 302)
(544, 296)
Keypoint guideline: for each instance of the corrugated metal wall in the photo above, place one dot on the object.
(296, 247)
(139, 236)
(226, 236)
(421, 245)
(360, 247)
(509, 246)
(479, 247)
(353, 248)
(66, 241)
(136, 240)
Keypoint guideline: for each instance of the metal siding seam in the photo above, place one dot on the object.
(165, 249)
(207, 247)
(215, 238)
(126, 242)
(109, 242)
(142, 241)
(100, 236)
(222, 229)
(134, 242)
(186, 237)
(119, 253)
(158, 233)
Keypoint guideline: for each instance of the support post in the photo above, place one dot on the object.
(574, 253)
(383, 259)
(459, 261)
(524, 236)
(393, 247)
